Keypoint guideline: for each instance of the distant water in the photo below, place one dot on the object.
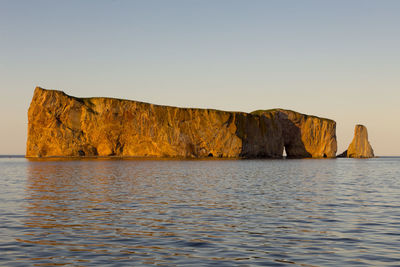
(338, 212)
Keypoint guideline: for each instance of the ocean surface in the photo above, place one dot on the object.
(327, 212)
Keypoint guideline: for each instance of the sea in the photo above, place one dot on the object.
(286, 212)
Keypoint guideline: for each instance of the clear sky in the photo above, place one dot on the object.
(336, 59)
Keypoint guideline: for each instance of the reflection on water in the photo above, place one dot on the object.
(227, 212)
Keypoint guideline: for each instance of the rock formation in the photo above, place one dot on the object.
(360, 146)
(303, 135)
(64, 126)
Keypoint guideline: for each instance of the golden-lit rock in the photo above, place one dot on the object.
(304, 136)
(64, 126)
(360, 146)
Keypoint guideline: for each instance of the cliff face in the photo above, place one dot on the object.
(61, 125)
(303, 135)
(360, 146)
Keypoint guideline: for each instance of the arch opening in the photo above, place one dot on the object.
(284, 154)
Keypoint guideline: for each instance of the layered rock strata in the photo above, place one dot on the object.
(303, 135)
(360, 146)
(64, 126)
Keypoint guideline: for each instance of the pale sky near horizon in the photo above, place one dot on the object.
(335, 59)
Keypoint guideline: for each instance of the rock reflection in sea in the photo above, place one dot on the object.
(224, 212)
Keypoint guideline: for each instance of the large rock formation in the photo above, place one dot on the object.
(64, 126)
(303, 135)
(360, 146)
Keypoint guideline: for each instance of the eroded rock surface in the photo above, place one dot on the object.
(360, 146)
(304, 135)
(64, 126)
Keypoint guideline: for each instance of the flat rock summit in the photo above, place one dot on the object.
(60, 125)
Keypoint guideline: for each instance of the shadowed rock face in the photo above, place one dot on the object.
(63, 126)
(303, 135)
(360, 146)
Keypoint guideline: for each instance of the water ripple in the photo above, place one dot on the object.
(340, 212)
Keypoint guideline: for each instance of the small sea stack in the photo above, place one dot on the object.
(360, 146)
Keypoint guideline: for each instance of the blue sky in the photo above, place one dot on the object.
(336, 59)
